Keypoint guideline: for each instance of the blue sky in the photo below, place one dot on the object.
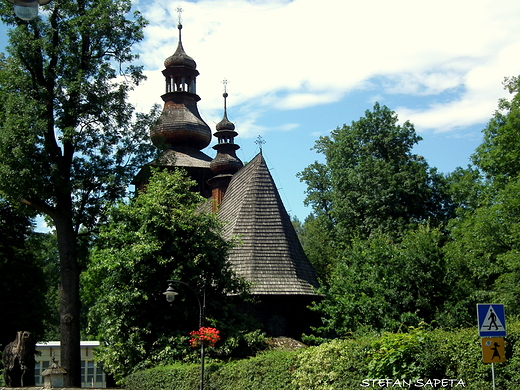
(298, 69)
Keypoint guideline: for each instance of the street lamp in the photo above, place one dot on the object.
(170, 292)
(27, 9)
(170, 295)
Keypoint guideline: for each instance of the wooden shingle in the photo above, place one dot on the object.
(268, 253)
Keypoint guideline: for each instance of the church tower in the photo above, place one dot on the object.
(181, 133)
(226, 163)
(245, 198)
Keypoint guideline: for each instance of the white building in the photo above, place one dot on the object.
(92, 375)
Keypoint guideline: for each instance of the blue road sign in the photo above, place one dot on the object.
(491, 320)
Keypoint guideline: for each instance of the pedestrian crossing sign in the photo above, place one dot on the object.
(491, 320)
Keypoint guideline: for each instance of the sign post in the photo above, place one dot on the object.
(491, 320)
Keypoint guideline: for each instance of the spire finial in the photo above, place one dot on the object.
(179, 11)
(260, 142)
(225, 82)
(225, 94)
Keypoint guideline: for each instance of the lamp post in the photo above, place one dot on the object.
(170, 294)
(27, 9)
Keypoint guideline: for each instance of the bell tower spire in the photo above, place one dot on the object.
(226, 163)
(180, 132)
(180, 124)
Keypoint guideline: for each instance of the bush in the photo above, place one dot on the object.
(339, 364)
(177, 377)
(269, 370)
(419, 354)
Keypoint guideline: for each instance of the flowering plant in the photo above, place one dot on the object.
(208, 336)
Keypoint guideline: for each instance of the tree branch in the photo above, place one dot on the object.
(40, 206)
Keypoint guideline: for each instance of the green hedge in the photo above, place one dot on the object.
(273, 370)
(266, 371)
(179, 376)
(414, 357)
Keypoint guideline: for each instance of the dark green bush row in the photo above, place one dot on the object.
(416, 357)
(180, 376)
(266, 371)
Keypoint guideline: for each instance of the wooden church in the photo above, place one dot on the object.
(269, 255)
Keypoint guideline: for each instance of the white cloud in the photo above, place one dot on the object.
(288, 55)
(483, 88)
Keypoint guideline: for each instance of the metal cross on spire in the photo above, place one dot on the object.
(225, 94)
(179, 11)
(225, 82)
(260, 142)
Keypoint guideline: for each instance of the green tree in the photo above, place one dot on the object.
(484, 253)
(67, 140)
(499, 154)
(23, 305)
(371, 183)
(375, 233)
(158, 235)
(372, 180)
(316, 237)
(384, 283)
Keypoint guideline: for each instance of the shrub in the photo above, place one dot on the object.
(177, 377)
(395, 355)
(421, 353)
(269, 370)
(338, 364)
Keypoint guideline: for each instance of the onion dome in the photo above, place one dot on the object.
(226, 160)
(225, 124)
(180, 58)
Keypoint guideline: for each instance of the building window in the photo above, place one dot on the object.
(91, 374)
(40, 367)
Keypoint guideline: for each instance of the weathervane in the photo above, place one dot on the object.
(260, 141)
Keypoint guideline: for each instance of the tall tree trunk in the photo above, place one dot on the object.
(70, 305)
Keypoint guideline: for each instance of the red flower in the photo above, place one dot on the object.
(208, 336)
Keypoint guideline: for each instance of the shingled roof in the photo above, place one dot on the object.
(269, 253)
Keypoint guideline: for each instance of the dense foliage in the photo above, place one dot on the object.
(156, 236)
(395, 243)
(484, 250)
(22, 305)
(68, 142)
(375, 233)
(382, 283)
(413, 357)
(371, 179)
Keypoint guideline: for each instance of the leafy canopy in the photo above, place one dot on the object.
(156, 236)
(375, 232)
(484, 253)
(371, 179)
(384, 283)
(68, 139)
(66, 128)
